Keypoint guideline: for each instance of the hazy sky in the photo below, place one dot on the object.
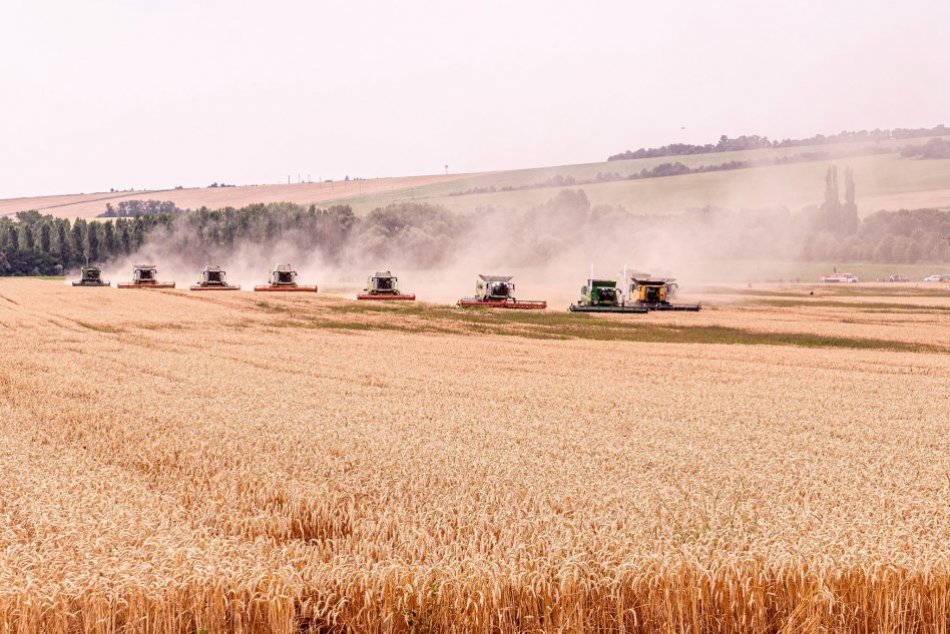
(132, 93)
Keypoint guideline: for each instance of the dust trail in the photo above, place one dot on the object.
(550, 248)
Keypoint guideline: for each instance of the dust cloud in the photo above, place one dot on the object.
(550, 248)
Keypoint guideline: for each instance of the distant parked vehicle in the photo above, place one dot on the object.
(839, 278)
(937, 277)
(898, 278)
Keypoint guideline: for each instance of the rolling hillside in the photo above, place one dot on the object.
(884, 181)
(91, 205)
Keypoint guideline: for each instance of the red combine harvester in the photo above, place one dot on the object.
(497, 291)
(383, 285)
(145, 276)
(283, 278)
(213, 278)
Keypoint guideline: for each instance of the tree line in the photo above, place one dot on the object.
(132, 208)
(424, 235)
(932, 149)
(34, 244)
(756, 142)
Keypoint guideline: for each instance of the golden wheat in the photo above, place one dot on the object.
(173, 463)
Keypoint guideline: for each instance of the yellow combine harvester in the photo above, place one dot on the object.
(655, 293)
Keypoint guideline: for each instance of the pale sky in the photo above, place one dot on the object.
(154, 94)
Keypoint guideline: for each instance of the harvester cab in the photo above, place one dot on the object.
(498, 291)
(494, 288)
(90, 276)
(283, 274)
(145, 276)
(603, 296)
(283, 277)
(655, 294)
(214, 278)
(601, 293)
(649, 291)
(213, 275)
(383, 285)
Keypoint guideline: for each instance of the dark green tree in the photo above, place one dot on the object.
(92, 240)
(29, 241)
(13, 239)
(125, 239)
(109, 239)
(138, 233)
(62, 242)
(79, 239)
(46, 237)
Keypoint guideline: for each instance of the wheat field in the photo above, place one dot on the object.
(181, 463)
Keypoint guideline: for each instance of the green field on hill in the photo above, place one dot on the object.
(884, 181)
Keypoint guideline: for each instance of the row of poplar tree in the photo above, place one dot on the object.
(34, 244)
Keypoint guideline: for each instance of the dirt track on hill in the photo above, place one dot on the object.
(91, 205)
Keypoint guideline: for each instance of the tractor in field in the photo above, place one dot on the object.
(603, 296)
(145, 276)
(655, 294)
(498, 291)
(214, 278)
(383, 285)
(90, 276)
(283, 278)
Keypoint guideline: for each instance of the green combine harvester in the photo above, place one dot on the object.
(603, 296)
(91, 276)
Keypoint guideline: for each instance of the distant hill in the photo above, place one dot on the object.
(894, 169)
(756, 142)
(768, 177)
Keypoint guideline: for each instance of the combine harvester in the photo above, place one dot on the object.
(383, 285)
(603, 296)
(655, 294)
(283, 279)
(145, 276)
(214, 278)
(497, 291)
(91, 276)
